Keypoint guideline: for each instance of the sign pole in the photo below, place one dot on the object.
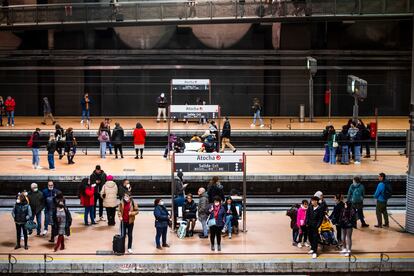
(172, 191)
(169, 131)
(376, 134)
(244, 193)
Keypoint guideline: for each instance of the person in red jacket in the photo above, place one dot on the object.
(87, 200)
(10, 105)
(139, 139)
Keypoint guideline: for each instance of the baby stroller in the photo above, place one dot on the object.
(210, 144)
(327, 233)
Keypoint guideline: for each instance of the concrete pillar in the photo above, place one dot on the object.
(409, 216)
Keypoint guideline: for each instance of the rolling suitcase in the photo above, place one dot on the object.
(118, 244)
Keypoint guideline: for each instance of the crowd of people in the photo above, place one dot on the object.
(217, 215)
(315, 223)
(346, 145)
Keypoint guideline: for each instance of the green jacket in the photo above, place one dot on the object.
(356, 193)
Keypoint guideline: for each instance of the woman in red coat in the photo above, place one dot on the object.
(139, 139)
(86, 195)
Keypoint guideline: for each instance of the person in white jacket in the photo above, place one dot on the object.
(109, 194)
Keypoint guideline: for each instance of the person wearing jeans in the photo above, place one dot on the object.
(162, 218)
(51, 148)
(126, 212)
(10, 105)
(35, 148)
(231, 216)
(256, 107)
(87, 198)
(37, 204)
(49, 195)
(85, 105)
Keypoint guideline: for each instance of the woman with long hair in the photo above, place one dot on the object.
(103, 138)
(70, 144)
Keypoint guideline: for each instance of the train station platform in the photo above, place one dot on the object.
(265, 248)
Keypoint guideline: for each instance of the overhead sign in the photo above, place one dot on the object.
(194, 111)
(208, 162)
(189, 84)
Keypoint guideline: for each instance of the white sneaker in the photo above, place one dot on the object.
(262, 125)
(102, 219)
(39, 168)
(81, 121)
(357, 163)
(347, 254)
(8, 125)
(34, 167)
(52, 169)
(130, 251)
(307, 244)
(343, 251)
(310, 252)
(314, 256)
(252, 125)
(12, 125)
(44, 232)
(22, 238)
(300, 245)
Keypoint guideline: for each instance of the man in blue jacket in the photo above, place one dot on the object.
(49, 195)
(381, 208)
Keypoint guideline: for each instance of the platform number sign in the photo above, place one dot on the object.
(208, 162)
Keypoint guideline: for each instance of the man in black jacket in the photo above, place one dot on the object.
(98, 177)
(162, 107)
(225, 136)
(314, 217)
(37, 204)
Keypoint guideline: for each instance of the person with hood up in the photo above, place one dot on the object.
(109, 194)
(47, 111)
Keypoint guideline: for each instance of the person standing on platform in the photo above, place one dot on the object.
(47, 111)
(365, 137)
(117, 139)
(87, 200)
(162, 104)
(215, 189)
(21, 214)
(216, 222)
(103, 138)
(356, 194)
(70, 145)
(179, 193)
(86, 106)
(314, 218)
(107, 123)
(1, 110)
(60, 140)
(225, 136)
(343, 140)
(335, 216)
(300, 220)
(49, 194)
(10, 106)
(203, 211)
(35, 145)
(292, 212)
(332, 145)
(347, 222)
(139, 135)
(62, 220)
(382, 194)
(37, 204)
(98, 177)
(51, 148)
(322, 202)
(162, 220)
(257, 108)
(127, 211)
(109, 194)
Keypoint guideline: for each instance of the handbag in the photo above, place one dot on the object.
(334, 142)
(211, 222)
(30, 225)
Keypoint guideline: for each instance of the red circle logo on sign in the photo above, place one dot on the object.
(218, 157)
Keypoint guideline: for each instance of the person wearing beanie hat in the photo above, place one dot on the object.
(322, 202)
(162, 104)
(109, 195)
(314, 217)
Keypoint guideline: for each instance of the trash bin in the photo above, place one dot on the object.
(302, 113)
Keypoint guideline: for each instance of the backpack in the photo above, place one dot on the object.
(30, 142)
(387, 194)
(182, 230)
(357, 194)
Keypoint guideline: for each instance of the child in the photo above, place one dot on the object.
(327, 231)
(293, 213)
(51, 148)
(300, 221)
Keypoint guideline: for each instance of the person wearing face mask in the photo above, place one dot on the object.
(190, 214)
(231, 218)
(203, 211)
(162, 219)
(124, 188)
(335, 216)
(87, 200)
(127, 211)
(300, 220)
(62, 220)
(216, 222)
(322, 203)
(21, 214)
(37, 204)
(49, 194)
